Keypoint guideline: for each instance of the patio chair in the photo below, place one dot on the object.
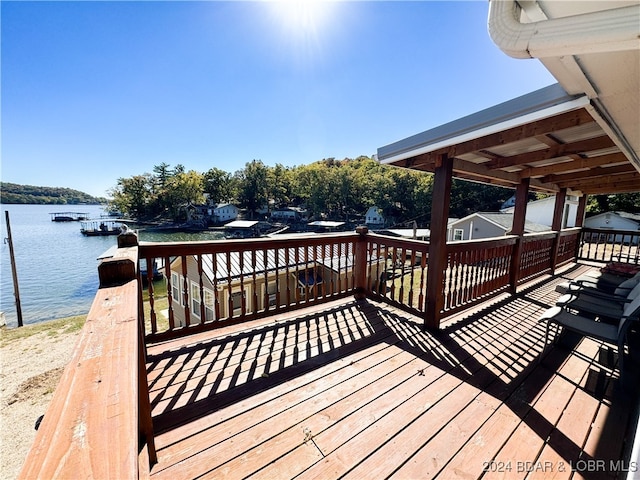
(604, 282)
(588, 327)
(595, 302)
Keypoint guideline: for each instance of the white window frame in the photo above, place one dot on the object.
(456, 232)
(194, 297)
(176, 292)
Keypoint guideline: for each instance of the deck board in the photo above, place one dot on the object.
(360, 390)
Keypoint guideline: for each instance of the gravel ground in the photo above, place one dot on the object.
(30, 368)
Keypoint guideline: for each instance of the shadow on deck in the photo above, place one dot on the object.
(360, 390)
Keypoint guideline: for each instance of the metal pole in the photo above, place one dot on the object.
(14, 272)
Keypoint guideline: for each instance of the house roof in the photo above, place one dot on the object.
(582, 134)
(503, 220)
(248, 263)
(627, 216)
(241, 224)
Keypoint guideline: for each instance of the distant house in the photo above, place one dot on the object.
(289, 215)
(417, 234)
(275, 272)
(541, 211)
(615, 221)
(224, 212)
(374, 217)
(487, 225)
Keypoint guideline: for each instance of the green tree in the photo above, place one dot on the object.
(217, 184)
(183, 189)
(253, 186)
(132, 195)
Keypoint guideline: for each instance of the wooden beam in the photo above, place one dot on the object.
(557, 151)
(541, 127)
(517, 228)
(582, 208)
(591, 173)
(631, 187)
(622, 179)
(438, 242)
(578, 164)
(556, 225)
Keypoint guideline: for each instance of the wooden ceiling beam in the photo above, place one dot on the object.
(541, 127)
(590, 173)
(563, 150)
(628, 178)
(579, 164)
(608, 190)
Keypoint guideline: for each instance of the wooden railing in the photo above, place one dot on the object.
(211, 284)
(99, 420)
(605, 245)
(99, 415)
(397, 271)
(476, 269)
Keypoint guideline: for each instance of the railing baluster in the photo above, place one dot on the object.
(185, 292)
(203, 315)
(167, 266)
(151, 292)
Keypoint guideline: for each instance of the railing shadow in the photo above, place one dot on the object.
(496, 349)
(196, 379)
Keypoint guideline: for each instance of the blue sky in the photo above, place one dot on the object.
(94, 91)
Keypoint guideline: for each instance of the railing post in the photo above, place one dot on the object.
(438, 242)
(360, 263)
(556, 225)
(517, 228)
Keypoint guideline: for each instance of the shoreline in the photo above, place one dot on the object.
(32, 359)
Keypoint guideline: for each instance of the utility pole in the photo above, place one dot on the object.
(16, 290)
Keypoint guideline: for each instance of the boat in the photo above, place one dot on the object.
(100, 228)
(68, 216)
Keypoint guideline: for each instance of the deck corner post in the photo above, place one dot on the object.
(517, 228)
(123, 265)
(556, 226)
(360, 263)
(437, 262)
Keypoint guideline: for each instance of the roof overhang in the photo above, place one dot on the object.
(582, 134)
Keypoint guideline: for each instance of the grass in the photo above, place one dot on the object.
(51, 328)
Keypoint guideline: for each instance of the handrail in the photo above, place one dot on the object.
(90, 429)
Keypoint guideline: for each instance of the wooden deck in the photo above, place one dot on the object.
(359, 390)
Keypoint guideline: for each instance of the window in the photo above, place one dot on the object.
(458, 234)
(209, 305)
(195, 299)
(175, 287)
(236, 299)
(272, 290)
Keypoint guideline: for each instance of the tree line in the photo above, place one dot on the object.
(330, 188)
(13, 193)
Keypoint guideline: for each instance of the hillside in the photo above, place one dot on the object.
(29, 194)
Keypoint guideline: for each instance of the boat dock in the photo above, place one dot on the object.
(68, 216)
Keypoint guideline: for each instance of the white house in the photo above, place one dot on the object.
(616, 221)
(290, 214)
(541, 211)
(374, 217)
(224, 212)
(487, 225)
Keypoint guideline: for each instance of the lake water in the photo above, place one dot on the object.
(57, 265)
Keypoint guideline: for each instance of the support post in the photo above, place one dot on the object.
(517, 228)
(582, 208)
(556, 225)
(14, 271)
(360, 263)
(438, 242)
